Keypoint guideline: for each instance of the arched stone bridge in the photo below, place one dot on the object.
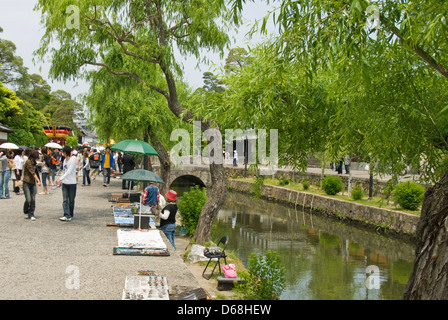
(199, 174)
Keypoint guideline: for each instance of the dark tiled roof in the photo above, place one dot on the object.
(5, 128)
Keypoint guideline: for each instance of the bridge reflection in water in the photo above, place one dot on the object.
(323, 258)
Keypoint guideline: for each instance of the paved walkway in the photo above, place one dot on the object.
(40, 258)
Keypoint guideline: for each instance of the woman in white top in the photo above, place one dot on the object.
(18, 167)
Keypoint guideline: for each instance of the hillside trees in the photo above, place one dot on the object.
(28, 103)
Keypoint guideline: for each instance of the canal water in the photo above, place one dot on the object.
(324, 259)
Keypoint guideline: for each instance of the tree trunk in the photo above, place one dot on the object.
(164, 159)
(216, 194)
(165, 171)
(429, 278)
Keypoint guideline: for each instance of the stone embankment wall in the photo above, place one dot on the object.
(313, 178)
(382, 220)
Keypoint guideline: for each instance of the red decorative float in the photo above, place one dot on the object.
(57, 134)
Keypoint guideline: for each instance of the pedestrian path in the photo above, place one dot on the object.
(51, 259)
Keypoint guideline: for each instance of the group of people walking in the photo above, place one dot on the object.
(92, 162)
(33, 169)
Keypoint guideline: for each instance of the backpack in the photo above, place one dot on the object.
(95, 160)
(54, 161)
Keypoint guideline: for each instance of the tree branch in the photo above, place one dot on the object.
(417, 49)
(420, 100)
(121, 39)
(132, 75)
(160, 30)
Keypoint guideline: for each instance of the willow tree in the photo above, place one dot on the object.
(277, 95)
(138, 113)
(149, 32)
(388, 67)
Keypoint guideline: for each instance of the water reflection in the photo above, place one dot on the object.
(323, 258)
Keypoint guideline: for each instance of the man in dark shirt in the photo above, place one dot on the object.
(128, 165)
(94, 164)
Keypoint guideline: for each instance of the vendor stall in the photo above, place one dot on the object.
(146, 288)
(148, 285)
(123, 215)
(132, 216)
(140, 242)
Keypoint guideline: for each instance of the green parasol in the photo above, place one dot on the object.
(141, 175)
(135, 147)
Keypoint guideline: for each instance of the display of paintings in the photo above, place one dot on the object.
(140, 239)
(146, 288)
(123, 215)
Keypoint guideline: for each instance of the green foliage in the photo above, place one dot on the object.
(212, 83)
(357, 192)
(22, 118)
(72, 141)
(265, 278)
(111, 97)
(409, 195)
(283, 181)
(12, 70)
(190, 207)
(305, 184)
(237, 58)
(21, 137)
(389, 187)
(10, 104)
(276, 95)
(256, 187)
(31, 105)
(151, 31)
(332, 185)
(36, 91)
(40, 139)
(402, 64)
(63, 110)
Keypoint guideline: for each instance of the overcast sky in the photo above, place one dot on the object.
(22, 26)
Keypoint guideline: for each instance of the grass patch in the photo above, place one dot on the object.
(378, 202)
